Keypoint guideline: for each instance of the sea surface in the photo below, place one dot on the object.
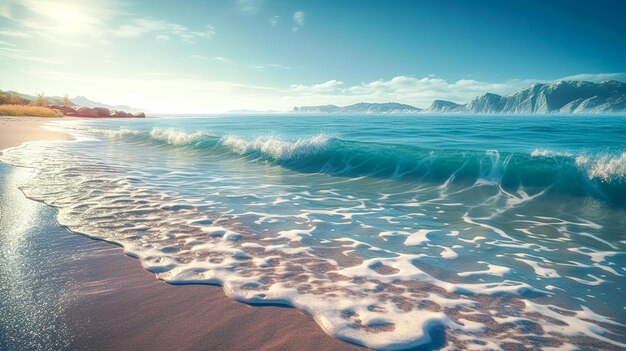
(393, 232)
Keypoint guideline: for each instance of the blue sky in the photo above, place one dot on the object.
(215, 56)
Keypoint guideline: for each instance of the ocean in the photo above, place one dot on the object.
(391, 231)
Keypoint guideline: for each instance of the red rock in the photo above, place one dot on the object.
(102, 112)
(98, 112)
(66, 110)
(86, 112)
(69, 110)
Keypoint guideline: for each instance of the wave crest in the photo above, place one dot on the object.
(607, 168)
(602, 176)
(176, 137)
(549, 153)
(277, 149)
(115, 134)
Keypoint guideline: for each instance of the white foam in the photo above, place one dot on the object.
(118, 133)
(276, 148)
(418, 238)
(548, 153)
(448, 253)
(295, 234)
(492, 269)
(594, 281)
(604, 167)
(177, 137)
(596, 256)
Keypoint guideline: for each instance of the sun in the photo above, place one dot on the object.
(66, 18)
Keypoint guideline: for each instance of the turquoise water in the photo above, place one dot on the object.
(391, 231)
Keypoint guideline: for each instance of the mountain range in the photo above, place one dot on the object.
(360, 108)
(564, 97)
(84, 102)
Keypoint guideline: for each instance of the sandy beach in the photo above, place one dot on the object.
(112, 303)
(17, 130)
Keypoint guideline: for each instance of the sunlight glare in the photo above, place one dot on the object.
(67, 18)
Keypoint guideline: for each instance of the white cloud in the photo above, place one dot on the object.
(250, 65)
(222, 59)
(9, 52)
(597, 77)
(329, 87)
(14, 33)
(424, 90)
(298, 20)
(274, 21)
(162, 37)
(404, 89)
(270, 65)
(250, 7)
(141, 26)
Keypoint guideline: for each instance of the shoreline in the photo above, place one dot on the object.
(15, 131)
(111, 302)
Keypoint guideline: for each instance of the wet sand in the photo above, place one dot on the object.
(105, 300)
(120, 306)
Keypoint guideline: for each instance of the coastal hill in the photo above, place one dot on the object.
(84, 102)
(565, 97)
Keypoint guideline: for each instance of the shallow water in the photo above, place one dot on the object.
(34, 286)
(392, 231)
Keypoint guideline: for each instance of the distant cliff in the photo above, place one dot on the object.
(360, 108)
(562, 97)
(443, 106)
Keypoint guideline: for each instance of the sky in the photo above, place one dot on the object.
(215, 56)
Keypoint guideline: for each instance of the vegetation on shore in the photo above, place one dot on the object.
(7, 98)
(14, 105)
(28, 110)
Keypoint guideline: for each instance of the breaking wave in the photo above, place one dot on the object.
(607, 168)
(602, 176)
(278, 149)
